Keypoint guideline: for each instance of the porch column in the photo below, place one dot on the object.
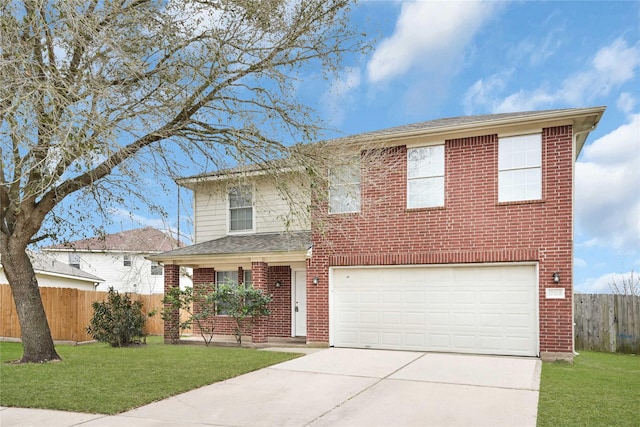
(202, 277)
(171, 326)
(259, 279)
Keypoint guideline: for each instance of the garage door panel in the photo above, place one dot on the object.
(369, 297)
(415, 318)
(392, 318)
(435, 297)
(368, 318)
(414, 297)
(475, 309)
(391, 297)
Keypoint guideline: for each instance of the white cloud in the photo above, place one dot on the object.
(603, 284)
(130, 220)
(611, 66)
(607, 202)
(579, 262)
(626, 102)
(338, 97)
(428, 35)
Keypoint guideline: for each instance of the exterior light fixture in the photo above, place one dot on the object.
(316, 280)
(278, 284)
(556, 277)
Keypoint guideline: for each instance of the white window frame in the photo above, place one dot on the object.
(243, 190)
(520, 168)
(222, 275)
(345, 191)
(126, 261)
(74, 260)
(154, 268)
(426, 174)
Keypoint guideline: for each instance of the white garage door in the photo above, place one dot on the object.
(462, 309)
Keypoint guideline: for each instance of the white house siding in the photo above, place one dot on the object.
(273, 213)
(110, 267)
(50, 281)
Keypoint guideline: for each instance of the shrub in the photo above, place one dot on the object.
(199, 304)
(243, 304)
(118, 320)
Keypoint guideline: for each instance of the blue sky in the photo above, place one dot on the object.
(443, 59)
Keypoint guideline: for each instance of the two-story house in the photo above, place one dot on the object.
(120, 259)
(452, 235)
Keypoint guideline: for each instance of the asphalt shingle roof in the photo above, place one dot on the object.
(252, 243)
(425, 126)
(44, 263)
(143, 240)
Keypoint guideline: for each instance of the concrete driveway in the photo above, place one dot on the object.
(342, 387)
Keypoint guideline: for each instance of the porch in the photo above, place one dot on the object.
(274, 263)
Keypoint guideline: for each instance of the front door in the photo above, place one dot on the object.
(299, 302)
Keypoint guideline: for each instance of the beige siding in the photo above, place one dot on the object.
(274, 210)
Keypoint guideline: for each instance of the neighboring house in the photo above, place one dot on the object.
(54, 274)
(120, 259)
(456, 236)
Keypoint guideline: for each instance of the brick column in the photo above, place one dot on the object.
(171, 326)
(259, 278)
(201, 278)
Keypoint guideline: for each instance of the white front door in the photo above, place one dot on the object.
(299, 303)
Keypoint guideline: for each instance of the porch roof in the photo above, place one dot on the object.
(280, 247)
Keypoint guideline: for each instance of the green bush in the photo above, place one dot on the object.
(244, 304)
(118, 320)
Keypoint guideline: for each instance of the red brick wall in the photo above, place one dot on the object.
(472, 227)
(278, 324)
(171, 280)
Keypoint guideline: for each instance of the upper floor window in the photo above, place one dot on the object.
(74, 260)
(425, 177)
(344, 188)
(156, 269)
(127, 261)
(520, 168)
(240, 209)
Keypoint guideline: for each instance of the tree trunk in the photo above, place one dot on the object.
(36, 336)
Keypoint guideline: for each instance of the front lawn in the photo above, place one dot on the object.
(598, 389)
(97, 378)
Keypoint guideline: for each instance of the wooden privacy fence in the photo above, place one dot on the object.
(69, 312)
(608, 323)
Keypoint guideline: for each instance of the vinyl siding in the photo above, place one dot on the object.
(110, 267)
(272, 210)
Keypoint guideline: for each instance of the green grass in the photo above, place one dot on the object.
(598, 389)
(97, 378)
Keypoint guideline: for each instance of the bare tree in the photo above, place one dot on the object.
(625, 284)
(97, 93)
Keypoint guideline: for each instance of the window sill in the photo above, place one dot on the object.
(345, 213)
(522, 202)
(234, 233)
(431, 208)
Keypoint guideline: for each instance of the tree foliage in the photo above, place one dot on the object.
(118, 321)
(244, 304)
(99, 96)
(198, 306)
(625, 284)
